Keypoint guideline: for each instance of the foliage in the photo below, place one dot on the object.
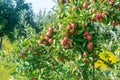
(11, 14)
(69, 47)
(44, 19)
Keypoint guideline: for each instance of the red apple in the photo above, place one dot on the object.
(50, 40)
(99, 16)
(49, 33)
(51, 29)
(90, 45)
(89, 37)
(74, 7)
(47, 38)
(111, 1)
(63, 42)
(90, 0)
(39, 42)
(73, 25)
(93, 10)
(65, 38)
(85, 5)
(85, 54)
(86, 33)
(69, 27)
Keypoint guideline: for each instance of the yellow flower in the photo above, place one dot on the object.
(106, 56)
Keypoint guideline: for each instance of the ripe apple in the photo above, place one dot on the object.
(73, 25)
(90, 45)
(63, 42)
(111, 1)
(89, 37)
(93, 10)
(85, 54)
(99, 16)
(47, 38)
(90, 0)
(85, 5)
(69, 27)
(65, 38)
(49, 33)
(86, 33)
(51, 29)
(50, 40)
(74, 7)
(39, 42)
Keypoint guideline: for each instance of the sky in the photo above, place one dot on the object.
(41, 4)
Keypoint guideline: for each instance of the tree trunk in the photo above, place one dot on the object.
(0, 42)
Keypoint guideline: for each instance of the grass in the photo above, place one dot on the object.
(6, 69)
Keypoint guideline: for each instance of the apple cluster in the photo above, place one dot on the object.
(48, 38)
(87, 35)
(66, 42)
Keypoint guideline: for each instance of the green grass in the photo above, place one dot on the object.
(6, 69)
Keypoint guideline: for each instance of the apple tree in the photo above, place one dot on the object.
(69, 47)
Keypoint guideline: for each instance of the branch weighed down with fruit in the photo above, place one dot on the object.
(76, 26)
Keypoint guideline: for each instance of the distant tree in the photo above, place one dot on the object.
(11, 14)
(44, 18)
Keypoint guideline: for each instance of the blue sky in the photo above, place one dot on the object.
(41, 4)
